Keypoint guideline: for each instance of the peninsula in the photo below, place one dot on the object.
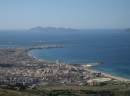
(19, 70)
(21, 67)
(50, 29)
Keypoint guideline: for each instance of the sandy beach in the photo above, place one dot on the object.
(111, 76)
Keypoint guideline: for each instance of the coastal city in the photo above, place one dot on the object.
(17, 65)
(64, 47)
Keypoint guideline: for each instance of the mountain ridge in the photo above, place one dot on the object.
(38, 28)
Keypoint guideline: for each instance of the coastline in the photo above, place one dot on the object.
(111, 76)
(122, 79)
(30, 54)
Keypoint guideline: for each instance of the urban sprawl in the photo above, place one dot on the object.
(17, 65)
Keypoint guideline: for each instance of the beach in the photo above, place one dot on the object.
(93, 71)
(110, 76)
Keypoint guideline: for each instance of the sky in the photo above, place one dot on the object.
(77, 14)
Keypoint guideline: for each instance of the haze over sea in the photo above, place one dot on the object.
(111, 46)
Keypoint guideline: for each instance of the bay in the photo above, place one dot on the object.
(111, 46)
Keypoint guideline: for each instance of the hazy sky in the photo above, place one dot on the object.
(78, 14)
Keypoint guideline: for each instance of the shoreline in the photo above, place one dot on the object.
(105, 74)
(30, 54)
(111, 76)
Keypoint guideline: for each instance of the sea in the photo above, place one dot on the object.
(111, 46)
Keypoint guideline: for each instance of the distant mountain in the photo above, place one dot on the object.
(51, 29)
(127, 30)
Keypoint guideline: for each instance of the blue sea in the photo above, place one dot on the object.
(111, 46)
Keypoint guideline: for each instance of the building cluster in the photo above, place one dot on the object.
(29, 70)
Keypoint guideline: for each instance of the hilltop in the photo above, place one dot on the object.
(51, 29)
